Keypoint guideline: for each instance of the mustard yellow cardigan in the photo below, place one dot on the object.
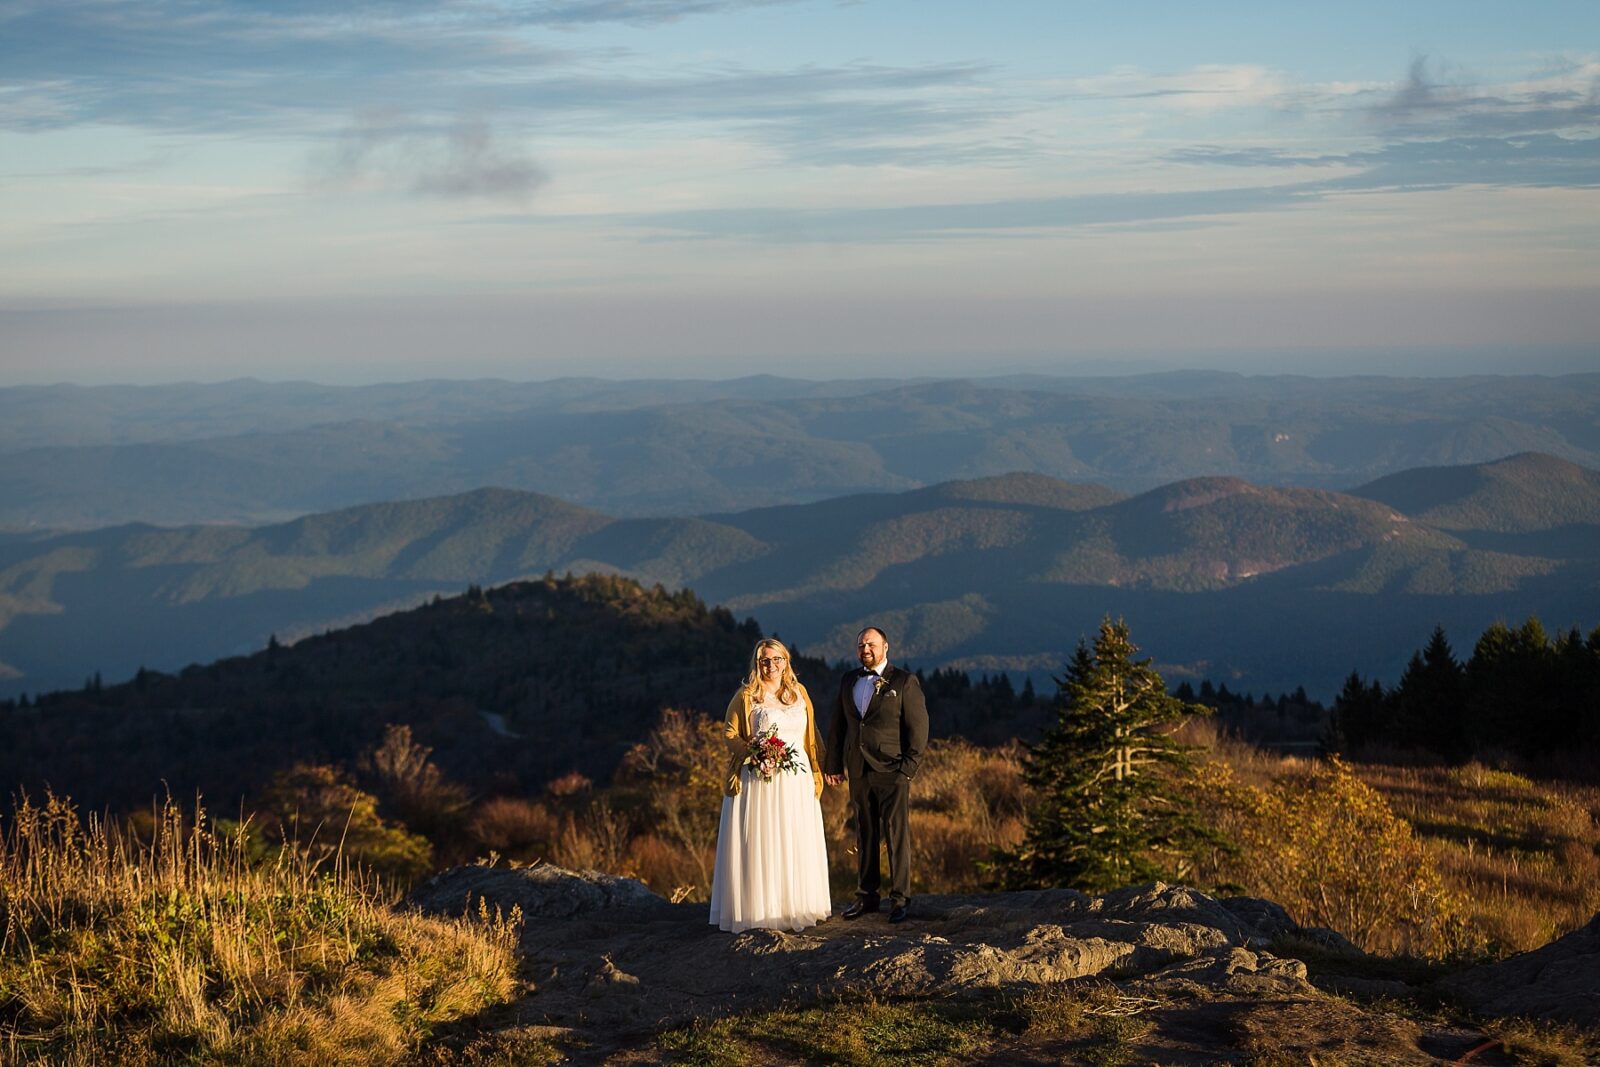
(736, 732)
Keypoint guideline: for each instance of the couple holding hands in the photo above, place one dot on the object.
(772, 862)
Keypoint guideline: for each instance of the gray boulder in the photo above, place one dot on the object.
(542, 892)
(1560, 981)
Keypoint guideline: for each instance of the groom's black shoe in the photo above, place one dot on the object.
(859, 908)
(900, 912)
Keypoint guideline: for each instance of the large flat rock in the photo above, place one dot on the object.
(608, 952)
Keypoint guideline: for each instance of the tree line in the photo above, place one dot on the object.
(1521, 691)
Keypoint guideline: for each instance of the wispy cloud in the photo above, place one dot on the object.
(1539, 132)
(301, 68)
(637, 12)
(200, 67)
(1204, 87)
(461, 160)
(1425, 104)
(1543, 160)
(1017, 217)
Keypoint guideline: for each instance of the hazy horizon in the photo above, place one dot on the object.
(1379, 362)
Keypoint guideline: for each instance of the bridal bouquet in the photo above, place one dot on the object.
(770, 755)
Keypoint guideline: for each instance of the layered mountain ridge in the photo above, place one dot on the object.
(997, 572)
(253, 453)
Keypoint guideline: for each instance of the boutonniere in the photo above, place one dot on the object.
(877, 685)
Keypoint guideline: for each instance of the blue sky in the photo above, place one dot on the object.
(391, 189)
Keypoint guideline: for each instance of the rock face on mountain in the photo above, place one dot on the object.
(1560, 981)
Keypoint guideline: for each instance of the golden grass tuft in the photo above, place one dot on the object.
(1545, 1044)
(180, 948)
(1523, 854)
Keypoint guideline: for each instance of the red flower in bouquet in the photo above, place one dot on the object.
(770, 756)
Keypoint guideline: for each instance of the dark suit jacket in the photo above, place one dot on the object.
(892, 736)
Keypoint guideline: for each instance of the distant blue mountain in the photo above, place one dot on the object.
(249, 452)
(1262, 586)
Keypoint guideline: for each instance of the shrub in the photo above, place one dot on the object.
(411, 787)
(516, 828)
(1330, 849)
(318, 809)
(967, 803)
(676, 776)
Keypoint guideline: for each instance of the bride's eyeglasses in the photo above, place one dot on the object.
(771, 661)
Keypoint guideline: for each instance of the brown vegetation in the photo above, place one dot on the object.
(1523, 855)
(658, 819)
(1423, 861)
(180, 948)
(1509, 863)
(190, 942)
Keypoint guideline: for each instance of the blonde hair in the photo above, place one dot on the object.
(788, 684)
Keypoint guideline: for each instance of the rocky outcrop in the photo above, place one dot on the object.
(542, 893)
(1560, 981)
(605, 950)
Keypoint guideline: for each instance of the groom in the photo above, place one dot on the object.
(880, 728)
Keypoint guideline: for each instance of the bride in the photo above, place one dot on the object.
(772, 865)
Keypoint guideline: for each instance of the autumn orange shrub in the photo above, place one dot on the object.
(518, 829)
(1330, 849)
(595, 839)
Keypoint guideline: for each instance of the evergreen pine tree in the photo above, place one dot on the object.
(1358, 714)
(1509, 689)
(1110, 805)
(1428, 702)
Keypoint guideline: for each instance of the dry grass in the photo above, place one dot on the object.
(1518, 858)
(1523, 854)
(179, 949)
(1074, 1009)
(967, 803)
(1545, 1044)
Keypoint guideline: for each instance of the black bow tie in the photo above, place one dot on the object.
(867, 672)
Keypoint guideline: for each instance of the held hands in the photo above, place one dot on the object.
(833, 779)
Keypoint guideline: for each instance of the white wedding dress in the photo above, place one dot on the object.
(772, 862)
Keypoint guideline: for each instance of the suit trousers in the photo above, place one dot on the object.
(882, 800)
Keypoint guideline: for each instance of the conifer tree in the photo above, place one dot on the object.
(1358, 715)
(1108, 778)
(1428, 702)
(1509, 688)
